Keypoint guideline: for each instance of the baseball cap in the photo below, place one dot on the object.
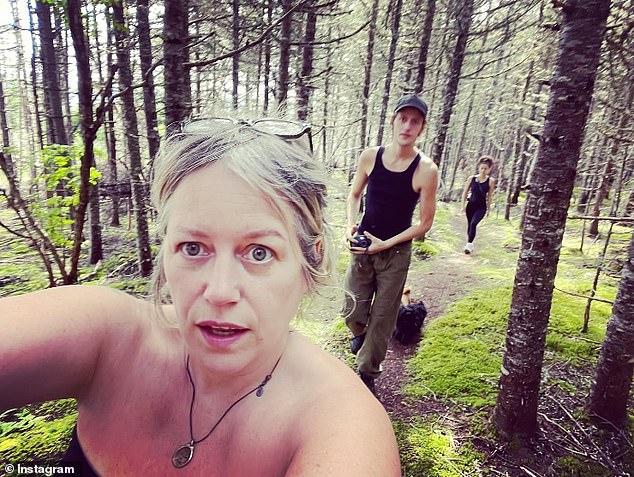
(411, 101)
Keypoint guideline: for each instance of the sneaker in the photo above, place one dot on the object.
(356, 342)
(368, 381)
(468, 248)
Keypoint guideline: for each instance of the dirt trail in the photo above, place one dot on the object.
(446, 278)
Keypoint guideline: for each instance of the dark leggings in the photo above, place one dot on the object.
(475, 213)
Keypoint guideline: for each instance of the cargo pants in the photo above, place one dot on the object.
(375, 285)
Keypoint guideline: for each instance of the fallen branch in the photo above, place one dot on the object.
(602, 300)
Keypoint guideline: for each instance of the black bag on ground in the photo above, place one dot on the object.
(409, 323)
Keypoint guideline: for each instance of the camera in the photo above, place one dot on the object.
(360, 240)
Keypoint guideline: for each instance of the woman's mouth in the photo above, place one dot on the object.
(221, 334)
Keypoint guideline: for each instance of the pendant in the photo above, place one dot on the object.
(183, 455)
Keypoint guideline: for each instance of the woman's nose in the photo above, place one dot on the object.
(222, 285)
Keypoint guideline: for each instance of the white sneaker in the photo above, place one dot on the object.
(468, 248)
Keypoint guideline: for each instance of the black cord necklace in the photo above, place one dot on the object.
(185, 453)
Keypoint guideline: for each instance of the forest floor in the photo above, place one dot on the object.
(565, 445)
(440, 393)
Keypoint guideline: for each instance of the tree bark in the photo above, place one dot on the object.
(424, 45)
(463, 25)
(613, 379)
(583, 29)
(267, 59)
(303, 98)
(367, 78)
(149, 98)
(36, 101)
(396, 24)
(55, 130)
(285, 52)
(178, 98)
(132, 140)
(89, 133)
(235, 59)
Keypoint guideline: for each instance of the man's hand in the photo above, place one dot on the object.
(377, 245)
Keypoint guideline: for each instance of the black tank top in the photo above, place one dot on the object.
(389, 200)
(478, 191)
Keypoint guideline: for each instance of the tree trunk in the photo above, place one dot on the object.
(36, 101)
(60, 40)
(303, 98)
(396, 25)
(235, 59)
(611, 388)
(608, 176)
(424, 45)
(111, 142)
(178, 98)
(55, 130)
(285, 54)
(463, 25)
(267, 59)
(583, 29)
(89, 132)
(132, 140)
(149, 98)
(367, 79)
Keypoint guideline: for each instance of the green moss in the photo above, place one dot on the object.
(37, 433)
(572, 466)
(424, 249)
(460, 356)
(430, 449)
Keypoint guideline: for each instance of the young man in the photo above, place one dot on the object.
(395, 178)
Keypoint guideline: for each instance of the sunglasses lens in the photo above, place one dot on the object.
(280, 127)
(202, 125)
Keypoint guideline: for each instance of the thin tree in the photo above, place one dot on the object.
(424, 46)
(303, 97)
(281, 92)
(149, 97)
(464, 16)
(396, 24)
(613, 379)
(55, 130)
(552, 180)
(367, 77)
(178, 98)
(132, 139)
(89, 127)
(235, 59)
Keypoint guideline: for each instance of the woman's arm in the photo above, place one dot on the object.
(51, 341)
(465, 191)
(490, 194)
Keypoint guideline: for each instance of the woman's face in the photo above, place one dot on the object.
(484, 169)
(230, 265)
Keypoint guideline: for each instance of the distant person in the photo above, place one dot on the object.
(476, 198)
(209, 379)
(395, 177)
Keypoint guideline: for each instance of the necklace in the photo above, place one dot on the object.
(184, 454)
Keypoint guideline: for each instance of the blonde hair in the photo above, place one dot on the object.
(283, 172)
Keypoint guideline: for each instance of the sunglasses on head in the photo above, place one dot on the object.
(292, 132)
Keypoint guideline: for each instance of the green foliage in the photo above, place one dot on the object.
(573, 466)
(61, 171)
(460, 356)
(430, 449)
(423, 249)
(37, 433)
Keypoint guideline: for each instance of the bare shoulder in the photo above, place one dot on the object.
(426, 165)
(338, 411)
(367, 159)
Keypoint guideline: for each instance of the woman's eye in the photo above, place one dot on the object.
(259, 254)
(191, 249)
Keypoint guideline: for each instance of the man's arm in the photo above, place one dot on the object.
(427, 178)
(360, 180)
